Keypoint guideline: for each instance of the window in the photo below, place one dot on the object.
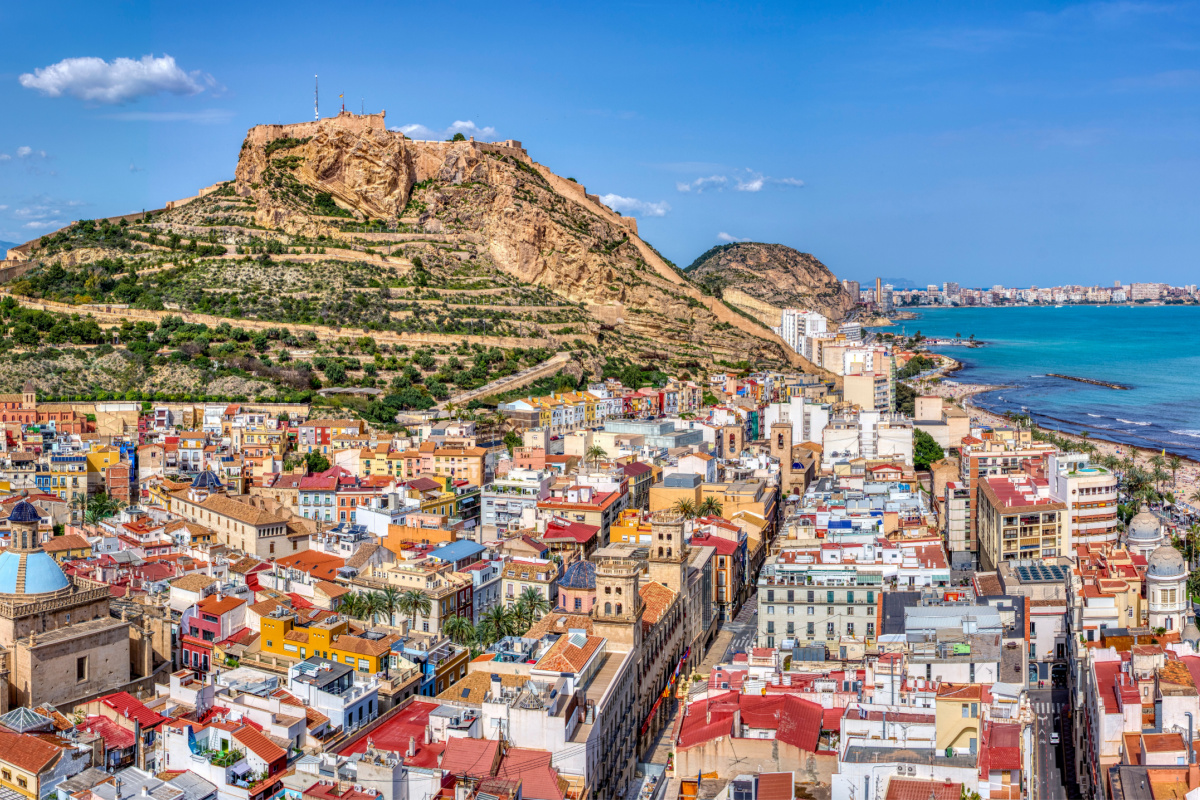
(22, 783)
(81, 669)
(791, 595)
(811, 611)
(7, 775)
(770, 595)
(811, 628)
(849, 597)
(770, 626)
(829, 598)
(965, 709)
(791, 610)
(770, 609)
(870, 597)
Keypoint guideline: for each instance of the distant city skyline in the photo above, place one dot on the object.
(1019, 143)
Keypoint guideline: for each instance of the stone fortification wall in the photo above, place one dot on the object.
(352, 123)
(764, 312)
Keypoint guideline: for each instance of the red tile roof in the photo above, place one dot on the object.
(254, 741)
(563, 530)
(115, 737)
(129, 706)
(27, 753)
(472, 758)
(708, 719)
(800, 723)
(314, 562)
(218, 605)
(911, 789)
(539, 780)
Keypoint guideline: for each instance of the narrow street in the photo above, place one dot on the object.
(1049, 759)
(732, 637)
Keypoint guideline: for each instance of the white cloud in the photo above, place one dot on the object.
(95, 80)
(29, 152)
(5, 157)
(635, 207)
(3, 208)
(466, 127)
(753, 183)
(747, 181)
(46, 223)
(726, 237)
(700, 184)
(209, 116)
(135, 168)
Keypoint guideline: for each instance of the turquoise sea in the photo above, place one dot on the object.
(1155, 349)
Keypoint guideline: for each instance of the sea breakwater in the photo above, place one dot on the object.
(1121, 386)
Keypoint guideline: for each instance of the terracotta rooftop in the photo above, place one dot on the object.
(566, 655)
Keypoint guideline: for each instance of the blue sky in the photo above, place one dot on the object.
(984, 142)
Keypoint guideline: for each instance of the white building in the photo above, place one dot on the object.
(504, 500)
(798, 328)
(349, 698)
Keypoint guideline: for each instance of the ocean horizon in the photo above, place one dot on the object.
(1155, 350)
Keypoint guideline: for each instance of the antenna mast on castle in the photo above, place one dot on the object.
(316, 96)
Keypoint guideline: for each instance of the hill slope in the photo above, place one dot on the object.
(338, 230)
(763, 278)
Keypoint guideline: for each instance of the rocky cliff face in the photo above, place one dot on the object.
(492, 199)
(771, 274)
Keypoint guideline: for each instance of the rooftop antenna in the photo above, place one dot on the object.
(316, 97)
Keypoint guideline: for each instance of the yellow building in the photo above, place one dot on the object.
(68, 546)
(285, 636)
(629, 527)
(959, 710)
(100, 459)
(265, 439)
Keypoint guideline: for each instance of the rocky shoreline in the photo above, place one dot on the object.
(1187, 481)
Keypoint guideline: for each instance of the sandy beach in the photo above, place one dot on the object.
(1187, 479)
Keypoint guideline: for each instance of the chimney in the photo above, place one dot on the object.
(497, 686)
(412, 747)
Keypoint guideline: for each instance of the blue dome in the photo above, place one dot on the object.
(580, 575)
(206, 480)
(24, 511)
(42, 573)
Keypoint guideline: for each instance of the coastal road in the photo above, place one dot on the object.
(1050, 761)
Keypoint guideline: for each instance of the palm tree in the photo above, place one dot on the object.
(709, 507)
(521, 615)
(1174, 462)
(459, 629)
(497, 622)
(686, 508)
(389, 602)
(352, 605)
(535, 604)
(594, 454)
(1159, 475)
(414, 602)
(1157, 461)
